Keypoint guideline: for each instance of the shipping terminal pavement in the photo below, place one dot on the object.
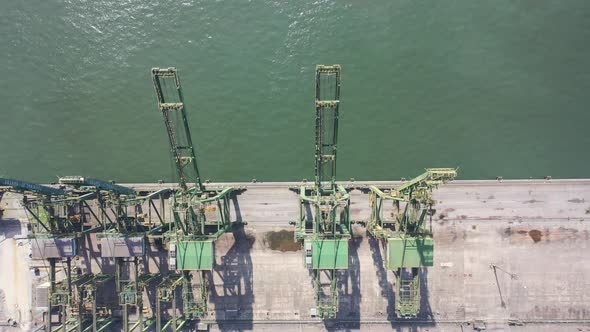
(510, 255)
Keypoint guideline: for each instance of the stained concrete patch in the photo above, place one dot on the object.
(518, 234)
(536, 235)
(532, 201)
(507, 231)
(282, 241)
(2, 301)
(576, 200)
(445, 213)
(250, 239)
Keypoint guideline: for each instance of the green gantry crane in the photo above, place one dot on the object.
(200, 214)
(408, 242)
(59, 219)
(57, 222)
(126, 226)
(326, 230)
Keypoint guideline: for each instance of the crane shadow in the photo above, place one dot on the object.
(10, 228)
(426, 313)
(349, 292)
(382, 278)
(425, 317)
(233, 305)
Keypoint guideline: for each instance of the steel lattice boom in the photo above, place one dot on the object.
(325, 234)
(171, 104)
(200, 215)
(327, 102)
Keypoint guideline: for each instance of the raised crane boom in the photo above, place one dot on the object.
(325, 232)
(200, 215)
(171, 104)
(327, 102)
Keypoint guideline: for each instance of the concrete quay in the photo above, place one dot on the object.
(509, 255)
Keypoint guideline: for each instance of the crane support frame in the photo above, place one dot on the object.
(59, 218)
(409, 246)
(199, 215)
(324, 208)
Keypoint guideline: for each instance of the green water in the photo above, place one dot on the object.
(495, 87)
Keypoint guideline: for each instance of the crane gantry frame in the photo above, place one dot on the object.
(408, 243)
(200, 215)
(60, 218)
(326, 231)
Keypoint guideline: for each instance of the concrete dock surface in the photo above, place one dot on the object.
(509, 256)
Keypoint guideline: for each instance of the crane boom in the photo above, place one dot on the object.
(96, 183)
(19, 185)
(171, 104)
(426, 181)
(327, 101)
(199, 215)
(325, 232)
